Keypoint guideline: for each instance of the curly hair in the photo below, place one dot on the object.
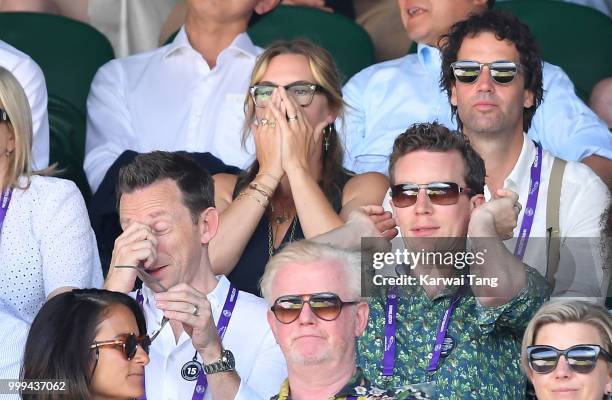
(438, 138)
(504, 26)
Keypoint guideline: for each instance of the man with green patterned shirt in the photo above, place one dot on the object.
(453, 330)
(316, 314)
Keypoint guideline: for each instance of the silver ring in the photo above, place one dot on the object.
(263, 121)
(291, 119)
(195, 310)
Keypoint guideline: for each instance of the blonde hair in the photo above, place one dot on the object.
(15, 102)
(566, 311)
(305, 252)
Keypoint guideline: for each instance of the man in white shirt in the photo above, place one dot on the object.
(386, 98)
(492, 73)
(218, 344)
(187, 95)
(31, 77)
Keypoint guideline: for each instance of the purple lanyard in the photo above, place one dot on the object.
(390, 329)
(4, 204)
(224, 319)
(532, 201)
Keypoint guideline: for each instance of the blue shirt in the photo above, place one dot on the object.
(386, 98)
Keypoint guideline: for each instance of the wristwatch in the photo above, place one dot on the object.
(223, 364)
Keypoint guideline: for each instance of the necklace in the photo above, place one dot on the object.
(279, 219)
(271, 240)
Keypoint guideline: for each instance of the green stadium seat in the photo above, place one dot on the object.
(349, 43)
(571, 36)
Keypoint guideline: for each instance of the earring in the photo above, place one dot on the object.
(327, 131)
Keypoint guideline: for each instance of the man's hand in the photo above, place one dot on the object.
(383, 221)
(191, 308)
(136, 245)
(498, 217)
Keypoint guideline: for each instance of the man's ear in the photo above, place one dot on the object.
(208, 223)
(453, 97)
(476, 201)
(265, 6)
(361, 318)
(528, 99)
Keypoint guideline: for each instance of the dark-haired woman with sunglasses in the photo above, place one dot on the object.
(93, 342)
(566, 351)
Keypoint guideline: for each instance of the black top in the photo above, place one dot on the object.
(250, 268)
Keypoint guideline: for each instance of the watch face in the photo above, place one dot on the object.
(228, 357)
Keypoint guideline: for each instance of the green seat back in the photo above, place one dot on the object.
(348, 43)
(67, 127)
(574, 37)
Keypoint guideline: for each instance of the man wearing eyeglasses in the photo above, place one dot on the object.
(208, 339)
(451, 327)
(385, 98)
(492, 73)
(316, 313)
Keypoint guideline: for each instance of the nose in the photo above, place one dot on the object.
(141, 356)
(423, 203)
(563, 370)
(306, 317)
(485, 82)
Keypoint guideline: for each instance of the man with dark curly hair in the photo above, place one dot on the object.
(492, 74)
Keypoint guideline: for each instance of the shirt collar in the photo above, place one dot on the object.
(429, 56)
(523, 164)
(241, 44)
(356, 386)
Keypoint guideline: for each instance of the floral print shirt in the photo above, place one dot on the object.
(360, 388)
(484, 357)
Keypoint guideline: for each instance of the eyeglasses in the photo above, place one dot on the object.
(4, 116)
(581, 358)
(128, 343)
(440, 193)
(502, 72)
(302, 92)
(326, 306)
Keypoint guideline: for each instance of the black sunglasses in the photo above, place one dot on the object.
(326, 306)
(502, 72)
(128, 343)
(440, 193)
(581, 358)
(302, 92)
(4, 116)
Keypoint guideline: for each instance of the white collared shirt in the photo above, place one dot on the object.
(169, 99)
(584, 198)
(385, 99)
(259, 361)
(31, 78)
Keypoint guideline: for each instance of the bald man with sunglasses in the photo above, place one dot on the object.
(316, 313)
(492, 74)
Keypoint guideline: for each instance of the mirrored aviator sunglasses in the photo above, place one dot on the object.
(128, 343)
(581, 358)
(326, 306)
(440, 193)
(502, 72)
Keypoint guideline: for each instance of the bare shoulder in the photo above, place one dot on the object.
(224, 188)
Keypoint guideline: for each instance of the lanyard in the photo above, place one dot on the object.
(224, 319)
(390, 329)
(532, 201)
(4, 204)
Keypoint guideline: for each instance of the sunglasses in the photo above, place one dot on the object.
(4, 116)
(440, 193)
(302, 92)
(326, 306)
(128, 343)
(581, 358)
(502, 72)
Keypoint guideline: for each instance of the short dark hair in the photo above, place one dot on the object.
(194, 182)
(58, 344)
(438, 138)
(504, 26)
